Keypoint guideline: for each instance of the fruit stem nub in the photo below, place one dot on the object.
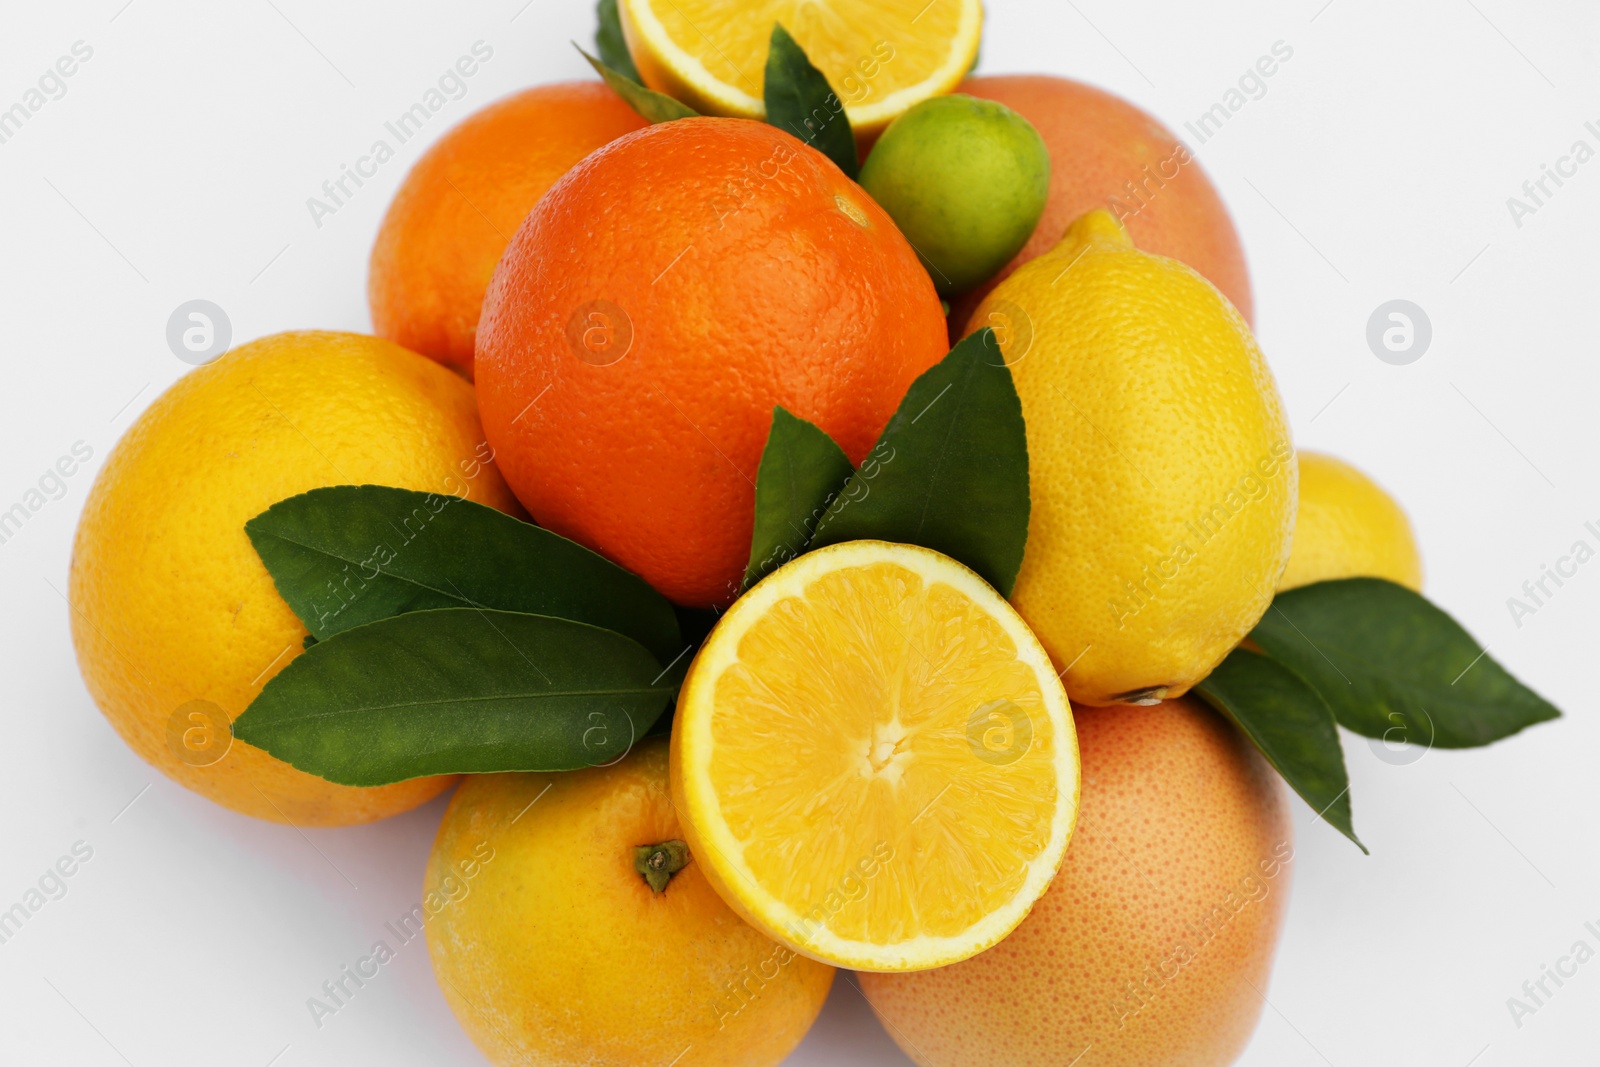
(1146, 697)
(657, 864)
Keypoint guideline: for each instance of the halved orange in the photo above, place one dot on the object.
(874, 760)
(880, 56)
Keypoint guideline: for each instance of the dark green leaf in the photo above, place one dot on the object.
(350, 554)
(609, 43)
(663, 725)
(457, 691)
(657, 107)
(802, 469)
(1392, 665)
(800, 100)
(1292, 727)
(950, 471)
(695, 623)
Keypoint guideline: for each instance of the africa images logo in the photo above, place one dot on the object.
(450, 85)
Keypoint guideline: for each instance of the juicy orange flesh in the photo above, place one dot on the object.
(885, 823)
(867, 51)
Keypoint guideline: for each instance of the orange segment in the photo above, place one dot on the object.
(874, 759)
(880, 56)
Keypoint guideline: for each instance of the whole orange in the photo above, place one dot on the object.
(554, 947)
(1153, 945)
(457, 209)
(1104, 152)
(657, 304)
(176, 621)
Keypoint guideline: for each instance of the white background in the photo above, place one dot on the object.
(1376, 166)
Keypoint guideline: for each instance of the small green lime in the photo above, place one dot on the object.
(965, 180)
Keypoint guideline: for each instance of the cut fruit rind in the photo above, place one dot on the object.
(880, 58)
(874, 760)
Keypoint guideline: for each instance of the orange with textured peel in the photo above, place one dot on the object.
(553, 948)
(662, 298)
(455, 212)
(176, 621)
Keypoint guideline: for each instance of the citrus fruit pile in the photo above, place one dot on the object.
(814, 520)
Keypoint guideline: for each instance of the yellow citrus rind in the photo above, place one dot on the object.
(874, 760)
(880, 56)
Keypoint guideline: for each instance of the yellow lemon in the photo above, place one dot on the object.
(1160, 466)
(1348, 527)
(874, 760)
(570, 927)
(880, 56)
(176, 622)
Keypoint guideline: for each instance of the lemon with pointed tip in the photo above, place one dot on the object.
(1160, 467)
(1348, 527)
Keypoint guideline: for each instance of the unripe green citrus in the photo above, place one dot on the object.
(965, 180)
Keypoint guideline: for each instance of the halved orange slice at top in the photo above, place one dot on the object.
(880, 56)
(874, 760)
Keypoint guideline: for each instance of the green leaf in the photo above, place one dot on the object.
(950, 471)
(800, 101)
(609, 43)
(802, 469)
(695, 623)
(350, 554)
(457, 691)
(1291, 725)
(663, 725)
(657, 107)
(1390, 663)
